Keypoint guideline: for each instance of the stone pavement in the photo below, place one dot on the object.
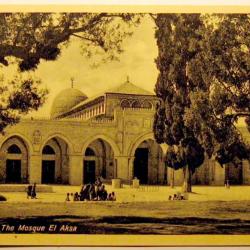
(143, 194)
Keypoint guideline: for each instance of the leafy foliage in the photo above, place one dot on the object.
(28, 38)
(203, 86)
(19, 96)
(31, 37)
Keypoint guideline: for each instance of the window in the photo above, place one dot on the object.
(125, 104)
(14, 149)
(147, 105)
(48, 150)
(136, 104)
(89, 152)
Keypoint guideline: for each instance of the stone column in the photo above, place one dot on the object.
(76, 169)
(246, 172)
(131, 168)
(114, 168)
(35, 169)
(122, 168)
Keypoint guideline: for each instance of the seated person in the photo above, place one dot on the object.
(99, 192)
(178, 196)
(175, 197)
(92, 194)
(103, 193)
(113, 197)
(76, 196)
(109, 197)
(84, 193)
(169, 197)
(98, 182)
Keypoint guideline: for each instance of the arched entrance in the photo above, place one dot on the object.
(48, 165)
(148, 164)
(14, 161)
(141, 163)
(55, 162)
(98, 161)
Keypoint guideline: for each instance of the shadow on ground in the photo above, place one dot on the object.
(127, 225)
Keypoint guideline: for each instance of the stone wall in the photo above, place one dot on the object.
(121, 135)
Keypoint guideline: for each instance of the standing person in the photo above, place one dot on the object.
(67, 197)
(29, 191)
(98, 182)
(92, 194)
(33, 192)
(81, 193)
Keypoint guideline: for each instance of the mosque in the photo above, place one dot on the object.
(108, 135)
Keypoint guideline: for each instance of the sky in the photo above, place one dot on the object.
(137, 62)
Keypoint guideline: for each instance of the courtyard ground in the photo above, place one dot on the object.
(143, 194)
(208, 210)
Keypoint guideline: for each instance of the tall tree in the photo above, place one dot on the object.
(29, 38)
(203, 88)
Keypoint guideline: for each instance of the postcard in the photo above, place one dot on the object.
(124, 125)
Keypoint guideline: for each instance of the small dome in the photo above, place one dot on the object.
(65, 101)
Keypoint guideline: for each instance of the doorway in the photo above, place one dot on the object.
(141, 165)
(48, 171)
(13, 171)
(89, 172)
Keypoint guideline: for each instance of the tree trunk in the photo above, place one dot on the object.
(187, 184)
(172, 178)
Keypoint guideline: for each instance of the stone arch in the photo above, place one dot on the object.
(25, 140)
(14, 149)
(147, 160)
(103, 163)
(48, 150)
(53, 145)
(142, 138)
(90, 151)
(136, 104)
(102, 137)
(125, 103)
(55, 167)
(147, 104)
(61, 136)
(14, 166)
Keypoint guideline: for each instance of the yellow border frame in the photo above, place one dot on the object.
(124, 240)
(127, 8)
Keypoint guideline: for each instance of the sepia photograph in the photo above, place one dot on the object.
(119, 123)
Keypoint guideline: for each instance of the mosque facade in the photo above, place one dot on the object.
(108, 135)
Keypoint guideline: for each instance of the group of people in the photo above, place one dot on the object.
(31, 191)
(92, 192)
(177, 196)
(89, 192)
